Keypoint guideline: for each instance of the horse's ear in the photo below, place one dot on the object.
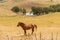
(18, 22)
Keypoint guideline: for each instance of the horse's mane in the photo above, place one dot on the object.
(21, 23)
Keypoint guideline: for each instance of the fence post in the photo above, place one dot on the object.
(52, 36)
(7, 37)
(35, 36)
(40, 36)
(56, 35)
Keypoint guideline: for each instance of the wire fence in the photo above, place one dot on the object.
(40, 36)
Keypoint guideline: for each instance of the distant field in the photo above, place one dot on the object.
(44, 20)
(48, 20)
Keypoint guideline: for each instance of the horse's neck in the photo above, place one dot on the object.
(23, 25)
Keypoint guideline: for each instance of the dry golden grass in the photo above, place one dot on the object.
(46, 25)
(48, 21)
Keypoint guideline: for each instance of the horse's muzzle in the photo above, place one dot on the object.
(17, 25)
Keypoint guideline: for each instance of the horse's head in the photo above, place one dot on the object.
(20, 24)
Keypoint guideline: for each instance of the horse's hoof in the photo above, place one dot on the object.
(32, 34)
(25, 34)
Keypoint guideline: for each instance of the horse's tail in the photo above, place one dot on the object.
(35, 26)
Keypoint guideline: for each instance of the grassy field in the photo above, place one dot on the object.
(46, 24)
(48, 20)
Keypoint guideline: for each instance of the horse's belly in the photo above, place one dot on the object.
(27, 28)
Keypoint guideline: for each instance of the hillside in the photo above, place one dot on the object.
(27, 4)
(5, 12)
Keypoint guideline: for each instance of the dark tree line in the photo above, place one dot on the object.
(17, 9)
(45, 10)
(38, 10)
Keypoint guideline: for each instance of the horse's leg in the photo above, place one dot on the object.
(32, 30)
(24, 32)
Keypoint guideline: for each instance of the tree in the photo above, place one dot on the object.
(36, 10)
(15, 9)
(46, 10)
(24, 11)
(56, 8)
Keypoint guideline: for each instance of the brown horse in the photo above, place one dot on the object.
(27, 27)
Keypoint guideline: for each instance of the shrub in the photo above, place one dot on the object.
(24, 11)
(46, 10)
(51, 9)
(40, 10)
(36, 10)
(15, 9)
(56, 7)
